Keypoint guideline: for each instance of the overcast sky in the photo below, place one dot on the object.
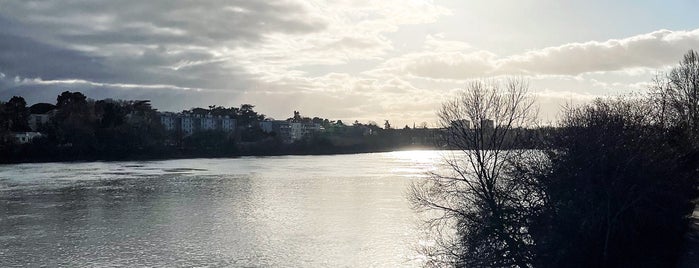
(365, 60)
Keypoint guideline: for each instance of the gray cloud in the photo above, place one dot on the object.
(22, 56)
(163, 97)
(182, 53)
(142, 42)
(157, 21)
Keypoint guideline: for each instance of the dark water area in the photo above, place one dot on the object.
(287, 211)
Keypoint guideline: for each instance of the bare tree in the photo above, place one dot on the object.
(677, 93)
(481, 198)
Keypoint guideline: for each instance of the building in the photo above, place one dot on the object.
(296, 130)
(300, 130)
(267, 126)
(283, 130)
(38, 120)
(466, 124)
(290, 131)
(487, 124)
(26, 137)
(309, 128)
(280, 128)
(169, 121)
(188, 123)
(461, 123)
(227, 124)
(207, 122)
(40, 114)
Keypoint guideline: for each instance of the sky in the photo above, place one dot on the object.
(395, 60)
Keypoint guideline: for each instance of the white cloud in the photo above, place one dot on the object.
(653, 50)
(442, 65)
(439, 43)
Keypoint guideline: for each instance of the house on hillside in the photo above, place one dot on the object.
(40, 114)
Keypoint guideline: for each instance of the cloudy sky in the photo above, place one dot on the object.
(365, 60)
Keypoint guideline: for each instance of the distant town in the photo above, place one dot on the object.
(79, 128)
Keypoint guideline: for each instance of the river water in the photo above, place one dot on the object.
(287, 211)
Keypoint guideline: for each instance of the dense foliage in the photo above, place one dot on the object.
(618, 189)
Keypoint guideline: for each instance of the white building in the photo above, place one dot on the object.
(300, 130)
(296, 131)
(26, 137)
(227, 124)
(310, 127)
(208, 122)
(187, 124)
(40, 114)
(169, 121)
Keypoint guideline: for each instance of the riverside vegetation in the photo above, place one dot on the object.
(84, 129)
(613, 186)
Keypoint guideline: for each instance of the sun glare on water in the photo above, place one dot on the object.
(418, 157)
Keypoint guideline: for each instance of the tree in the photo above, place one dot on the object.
(41, 108)
(677, 94)
(73, 125)
(247, 117)
(70, 100)
(619, 186)
(18, 114)
(110, 113)
(486, 205)
(4, 119)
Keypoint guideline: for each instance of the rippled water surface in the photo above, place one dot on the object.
(288, 211)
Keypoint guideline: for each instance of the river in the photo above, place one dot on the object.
(286, 211)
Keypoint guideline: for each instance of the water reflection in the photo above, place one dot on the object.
(344, 210)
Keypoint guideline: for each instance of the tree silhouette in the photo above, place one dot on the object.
(487, 207)
(619, 188)
(18, 112)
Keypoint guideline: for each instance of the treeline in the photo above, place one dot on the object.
(83, 129)
(612, 185)
(79, 128)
